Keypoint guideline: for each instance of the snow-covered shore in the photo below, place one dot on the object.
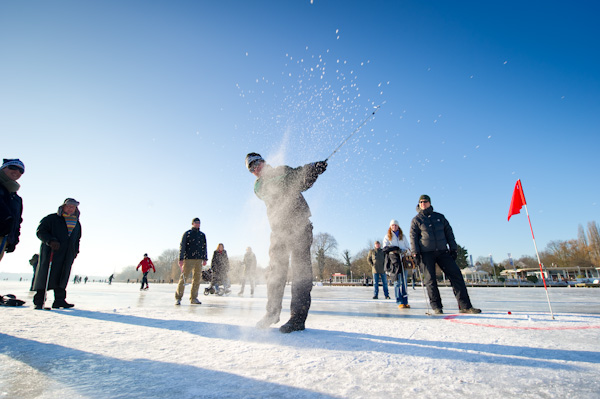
(119, 342)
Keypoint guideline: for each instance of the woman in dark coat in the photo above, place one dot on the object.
(60, 234)
(220, 268)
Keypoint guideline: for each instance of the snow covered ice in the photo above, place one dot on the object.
(119, 342)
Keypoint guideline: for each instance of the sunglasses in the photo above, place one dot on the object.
(423, 202)
(253, 166)
(13, 167)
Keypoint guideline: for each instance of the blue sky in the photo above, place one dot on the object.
(144, 111)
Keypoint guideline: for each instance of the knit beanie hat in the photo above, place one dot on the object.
(424, 197)
(394, 221)
(71, 201)
(12, 162)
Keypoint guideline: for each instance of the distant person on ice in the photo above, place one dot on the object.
(291, 236)
(220, 269)
(60, 234)
(432, 241)
(249, 271)
(376, 258)
(11, 205)
(192, 256)
(396, 246)
(34, 262)
(146, 264)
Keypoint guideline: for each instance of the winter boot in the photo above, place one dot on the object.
(195, 301)
(293, 324)
(61, 303)
(470, 310)
(267, 320)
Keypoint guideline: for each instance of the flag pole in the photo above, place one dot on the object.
(539, 262)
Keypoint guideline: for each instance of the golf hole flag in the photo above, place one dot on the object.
(518, 200)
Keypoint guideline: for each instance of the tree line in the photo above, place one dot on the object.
(582, 251)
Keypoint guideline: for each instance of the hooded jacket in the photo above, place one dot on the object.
(430, 231)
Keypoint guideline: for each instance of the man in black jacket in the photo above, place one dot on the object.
(192, 256)
(291, 236)
(60, 234)
(11, 205)
(432, 241)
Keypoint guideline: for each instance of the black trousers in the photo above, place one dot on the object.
(452, 272)
(145, 280)
(60, 294)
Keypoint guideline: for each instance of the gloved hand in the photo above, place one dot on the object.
(55, 245)
(454, 254)
(320, 166)
(418, 258)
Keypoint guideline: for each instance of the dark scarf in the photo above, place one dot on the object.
(11, 185)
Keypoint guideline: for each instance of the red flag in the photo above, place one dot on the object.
(517, 201)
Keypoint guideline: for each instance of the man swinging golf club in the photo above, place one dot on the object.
(291, 235)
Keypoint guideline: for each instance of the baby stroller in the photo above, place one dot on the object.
(207, 275)
(223, 290)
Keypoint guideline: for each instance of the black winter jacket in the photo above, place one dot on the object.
(54, 228)
(11, 209)
(220, 267)
(430, 231)
(193, 245)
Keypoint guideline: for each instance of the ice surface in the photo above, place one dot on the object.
(119, 342)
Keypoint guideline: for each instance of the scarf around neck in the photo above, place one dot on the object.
(11, 185)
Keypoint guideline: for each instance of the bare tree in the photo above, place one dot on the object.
(594, 242)
(323, 245)
(346, 258)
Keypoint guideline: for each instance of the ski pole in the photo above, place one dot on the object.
(428, 313)
(403, 276)
(48, 276)
(352, 134)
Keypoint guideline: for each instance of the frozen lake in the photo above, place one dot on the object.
(119, 342)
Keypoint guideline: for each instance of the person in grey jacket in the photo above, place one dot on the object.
(432, 241)
(376, 259)
(249, 271)
(291, 236)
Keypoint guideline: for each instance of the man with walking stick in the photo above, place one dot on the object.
(60, 234)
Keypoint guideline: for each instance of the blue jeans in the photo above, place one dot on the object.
(400, 289)
(384, 282)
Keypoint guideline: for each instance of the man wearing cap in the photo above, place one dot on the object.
(11, 205)
(432, 241)
(291, 236)
(60, 234)
(192, 256)
(376, 258)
